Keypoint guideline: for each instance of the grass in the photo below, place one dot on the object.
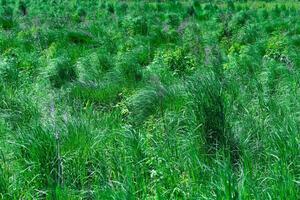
(149, 100)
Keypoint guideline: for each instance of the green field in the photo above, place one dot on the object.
(154, 100)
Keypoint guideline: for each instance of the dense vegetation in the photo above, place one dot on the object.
(149, 99)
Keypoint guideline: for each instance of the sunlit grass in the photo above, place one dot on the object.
(149, 100)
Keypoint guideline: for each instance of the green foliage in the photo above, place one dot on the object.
(104, 93)
(149, 99)
(78, 37)
(94, 66)
(9, 72)
(179, 61)
(129, 67)
(37, 151)
(61, 72)
(79, 15)
(211, 105)
(6, 17)
(135, 25)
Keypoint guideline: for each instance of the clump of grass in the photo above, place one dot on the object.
(154, 100)
(93, 67)
(111, 8)
(77, 145)
(23, 8)
(210, 108)
(129, 68)
(122, 8)
(173, 20)
(61, 71)
(78, 37)
(5, 172)
(99, 94)
(80, 15)
(9, 73)
(147, 102)
(6, 18)
(37, 152)
(136, 25)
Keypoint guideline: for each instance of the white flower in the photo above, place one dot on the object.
(153, 173)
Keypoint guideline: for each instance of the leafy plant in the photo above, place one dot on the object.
(179, 61)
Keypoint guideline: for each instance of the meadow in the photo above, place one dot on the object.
(154, 100)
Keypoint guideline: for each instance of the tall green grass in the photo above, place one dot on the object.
(149, 100)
